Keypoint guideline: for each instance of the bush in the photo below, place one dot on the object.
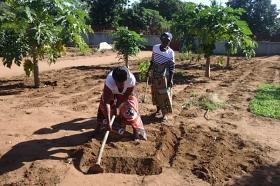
(143, 69)
(127, 43)
(221, 61)
(184, 56)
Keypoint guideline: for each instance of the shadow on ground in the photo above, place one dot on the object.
(264, 176)
(179, 78)
(150, 119)
(74, 125)
(40, 149)
(11, 87)
(92, 68)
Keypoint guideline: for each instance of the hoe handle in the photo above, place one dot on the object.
(147, 82)
(104, 142)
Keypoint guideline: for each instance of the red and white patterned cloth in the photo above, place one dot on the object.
(128, 115)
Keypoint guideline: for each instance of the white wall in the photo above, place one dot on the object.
(264, 48)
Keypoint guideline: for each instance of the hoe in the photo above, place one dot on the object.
(97, 168)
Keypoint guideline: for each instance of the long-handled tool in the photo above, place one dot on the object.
(97, 168)
(146, 88)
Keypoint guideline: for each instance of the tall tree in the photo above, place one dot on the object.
(140, 19)
(260, 14)
(34, 30)
(181, 25)
(166, 8)
(105, 14)
(276, 30)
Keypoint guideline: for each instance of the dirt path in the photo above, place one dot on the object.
(97, 59)
(46, 134)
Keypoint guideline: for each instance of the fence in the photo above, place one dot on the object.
(264, 47)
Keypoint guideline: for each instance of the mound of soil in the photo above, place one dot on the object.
(211, 154)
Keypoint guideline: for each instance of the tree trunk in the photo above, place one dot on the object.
(36, 72)
(207, 68)
(126, 61)
(228, 59)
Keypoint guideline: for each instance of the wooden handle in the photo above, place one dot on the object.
(104, 141)
(147, 82)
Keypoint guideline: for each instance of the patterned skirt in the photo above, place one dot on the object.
(129, 115)
(161, 94)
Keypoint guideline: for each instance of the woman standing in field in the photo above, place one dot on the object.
(162, 67)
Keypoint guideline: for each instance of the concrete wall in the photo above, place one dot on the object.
(268, 48)
(98, 37)
(264, 48)
(151, 40)
(220, 48)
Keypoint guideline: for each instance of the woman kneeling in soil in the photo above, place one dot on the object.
(162, 67)
(118, 98)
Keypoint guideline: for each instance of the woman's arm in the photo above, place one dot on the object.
(129, 92)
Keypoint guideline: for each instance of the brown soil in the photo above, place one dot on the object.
(47, 133)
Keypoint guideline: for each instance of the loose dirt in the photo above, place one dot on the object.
(47, 133)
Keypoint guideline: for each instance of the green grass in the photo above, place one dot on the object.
(267, 101)
(209, 105)
(202, 102)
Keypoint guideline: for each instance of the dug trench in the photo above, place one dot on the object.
(124, 156)
(211, 154)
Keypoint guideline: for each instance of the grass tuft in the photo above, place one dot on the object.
(209, 102)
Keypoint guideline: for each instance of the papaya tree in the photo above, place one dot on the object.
(127, 43)
(231, 49)
(245, 45)
(32, 30)
(239, 40)
(216, 24)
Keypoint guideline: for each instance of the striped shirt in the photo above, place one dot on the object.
(165, 57)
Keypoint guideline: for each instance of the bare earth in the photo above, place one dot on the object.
(46, 133)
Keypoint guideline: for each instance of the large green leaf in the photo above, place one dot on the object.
(37, 28)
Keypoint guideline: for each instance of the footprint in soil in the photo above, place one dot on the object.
(190, 113)
(191, 157)
(201, 172)
(231, 115)
(227, 125)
